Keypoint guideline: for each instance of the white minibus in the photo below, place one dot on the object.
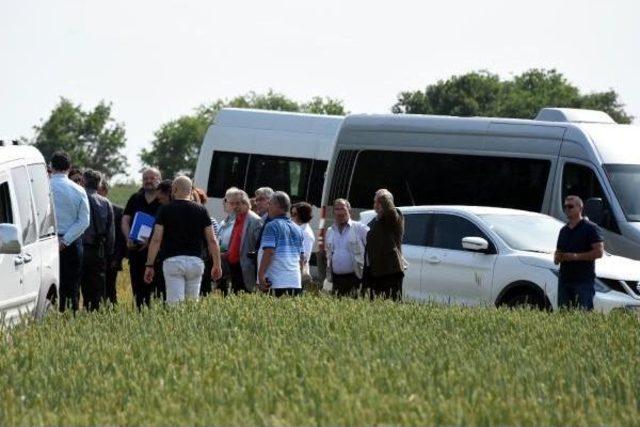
(521, 164)
(250, 149)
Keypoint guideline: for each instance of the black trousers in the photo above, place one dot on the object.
(233, 281)
(110, 285)
(345, 285)
(142, 291)
(94, 277)
(387, 286)
(291, 292)
(205, 284)
(70, 272)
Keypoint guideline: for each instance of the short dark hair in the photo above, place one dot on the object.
(92, 179)
(304, 210)
(60, 161)
(165, 186)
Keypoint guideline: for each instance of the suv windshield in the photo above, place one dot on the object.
(530, 233)
(625, 180)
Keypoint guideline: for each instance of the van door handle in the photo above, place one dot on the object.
(27, 257)
(433, 260)
(19, 260)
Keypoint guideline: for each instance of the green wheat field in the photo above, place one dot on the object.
(316, 360)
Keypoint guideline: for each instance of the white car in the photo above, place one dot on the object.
(479, 255)
(29, 270)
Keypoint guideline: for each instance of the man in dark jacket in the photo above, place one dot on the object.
(114, 260)
(385, 264)
(98, 242)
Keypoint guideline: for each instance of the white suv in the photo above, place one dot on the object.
(29, 269)
(478, 255)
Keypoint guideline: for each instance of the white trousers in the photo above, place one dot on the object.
(182, 276)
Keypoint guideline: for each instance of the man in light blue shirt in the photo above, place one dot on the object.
(72, 215)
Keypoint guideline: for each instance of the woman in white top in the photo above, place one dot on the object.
(301, 214)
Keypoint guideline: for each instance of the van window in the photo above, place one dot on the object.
(449, 230)
(42, 196)
(341, 174)
(416, 229)
(581, 181)
(6, 214)
(316, 182)
(447, 179)
(22, 187)
(227, 170)
(280, 173)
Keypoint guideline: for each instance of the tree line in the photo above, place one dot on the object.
(94, 139)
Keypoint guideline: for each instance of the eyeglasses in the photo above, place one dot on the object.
(567, 207)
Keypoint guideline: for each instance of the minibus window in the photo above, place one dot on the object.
(22, 187)
(316, 182)
(42, 196)
(227, 170)
(625, 180)
(6, 216)
(280, 173)
(581, 181)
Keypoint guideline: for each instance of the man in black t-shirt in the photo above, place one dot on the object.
(143, 201)
(181, 229)
(579, 245)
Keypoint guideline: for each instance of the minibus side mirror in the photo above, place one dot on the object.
(10, 239)
(594, 210)
(476, 244)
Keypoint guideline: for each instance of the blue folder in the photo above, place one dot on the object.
(142, 227)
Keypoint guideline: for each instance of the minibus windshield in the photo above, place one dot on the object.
(625, 180)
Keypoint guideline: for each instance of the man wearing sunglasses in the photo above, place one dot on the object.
(579, 245)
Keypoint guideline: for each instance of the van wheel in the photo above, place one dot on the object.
(50, 304)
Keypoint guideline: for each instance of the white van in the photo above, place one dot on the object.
(521, 164)
(29, 266)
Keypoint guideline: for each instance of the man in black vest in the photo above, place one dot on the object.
(114, 262)
(98, 240)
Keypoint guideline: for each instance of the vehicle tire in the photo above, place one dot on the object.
(50, 304)
(525, 299)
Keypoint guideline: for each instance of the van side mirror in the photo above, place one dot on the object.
(10, 240)
(476, 244)
(594, 210)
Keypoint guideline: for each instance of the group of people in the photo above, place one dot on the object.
(263, 243)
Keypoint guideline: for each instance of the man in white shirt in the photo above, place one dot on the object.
(344, 245)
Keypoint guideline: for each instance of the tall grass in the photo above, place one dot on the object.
(317, 360)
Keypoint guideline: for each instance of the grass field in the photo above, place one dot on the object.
(317, 360)
(120, 193)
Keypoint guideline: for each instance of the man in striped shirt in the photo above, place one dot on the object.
(281, 263)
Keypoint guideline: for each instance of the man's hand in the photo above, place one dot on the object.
(131, 244)
(149, 272)
(216, 272)
(263, 284)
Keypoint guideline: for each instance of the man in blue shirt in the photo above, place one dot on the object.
(283, 255)
(579, 245)
(72, 214)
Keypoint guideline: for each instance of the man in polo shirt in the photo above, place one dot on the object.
(145, 200)
(283, 255)
(579, 245)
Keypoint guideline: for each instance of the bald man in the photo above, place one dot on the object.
(181, 229)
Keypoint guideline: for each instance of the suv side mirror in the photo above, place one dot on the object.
(10, 239)
(476, 244)
(594, 210)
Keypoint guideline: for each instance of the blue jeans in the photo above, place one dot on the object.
(576, 294)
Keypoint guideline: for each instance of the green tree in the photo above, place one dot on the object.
(92, 138)
(176, 144)
(485, 94)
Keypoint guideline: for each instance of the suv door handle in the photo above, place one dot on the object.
(27, 257)
(19, 260)
(434, 260)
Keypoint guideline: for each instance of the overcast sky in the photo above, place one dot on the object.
(157, 60)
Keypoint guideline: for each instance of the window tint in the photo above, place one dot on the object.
(449, 230)
(581, 181)
(280, 173)
(430, 179)
(42, 196)
(342, 174)
(416, 228)
(22, 187)
(227, 170)
(316, 183)
(6, 215)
